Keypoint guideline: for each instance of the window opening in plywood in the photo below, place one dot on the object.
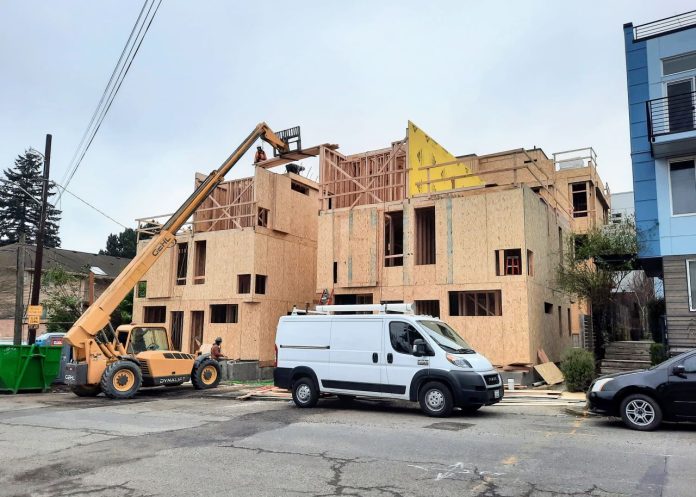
(199, 265)
(177, 324)
(154, 314)
(243, 283)
(530, 263)
(508, 262)
(196, 336)
(548, 307)
(570, 328)
(579, 192)
(262, 218)
(260, 284)
(425, 236)
(353, 299)
(560, 321)
(428, 307)
(224, 313)
(181, 263)
(335, 272)
(476, 303)
(142, 289)
(393, 239)
(299, 187)
(560, 245)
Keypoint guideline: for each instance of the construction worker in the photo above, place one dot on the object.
(216, 350)
(260, 155)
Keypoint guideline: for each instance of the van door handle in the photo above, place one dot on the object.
(390, 358)
(375, 357)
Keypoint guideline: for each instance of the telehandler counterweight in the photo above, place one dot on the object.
(119, 363)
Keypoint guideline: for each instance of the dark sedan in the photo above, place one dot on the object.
(644, 398)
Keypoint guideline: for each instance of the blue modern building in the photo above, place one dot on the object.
(661, 76)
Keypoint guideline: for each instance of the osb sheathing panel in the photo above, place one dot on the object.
(541, 225)
(326, 252)
(158, 277)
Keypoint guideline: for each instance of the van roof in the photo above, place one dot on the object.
(302, 317)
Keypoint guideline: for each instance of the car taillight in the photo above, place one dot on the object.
(275, 363)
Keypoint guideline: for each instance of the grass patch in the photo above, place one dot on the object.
(263, 383)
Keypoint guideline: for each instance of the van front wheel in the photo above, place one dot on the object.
(436, 400)
(304, 393)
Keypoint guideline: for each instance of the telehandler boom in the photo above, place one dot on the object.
(119, 363)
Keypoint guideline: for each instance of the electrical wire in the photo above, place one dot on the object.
(89, 205)
(122, 67)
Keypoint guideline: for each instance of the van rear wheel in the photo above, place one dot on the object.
(436, 400)
(304, 393)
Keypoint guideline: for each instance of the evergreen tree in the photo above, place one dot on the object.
(20, 213)
(121, 245)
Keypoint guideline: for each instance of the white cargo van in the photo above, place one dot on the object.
(398, 356)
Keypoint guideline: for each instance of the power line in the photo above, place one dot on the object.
(63, 189)
(122, 67)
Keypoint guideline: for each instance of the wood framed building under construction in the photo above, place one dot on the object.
(247, 257)
(474, 239)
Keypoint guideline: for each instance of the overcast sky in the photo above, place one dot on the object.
(479, 77)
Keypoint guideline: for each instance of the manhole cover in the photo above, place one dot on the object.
(450, 426)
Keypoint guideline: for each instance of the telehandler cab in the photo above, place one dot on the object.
(119, 362)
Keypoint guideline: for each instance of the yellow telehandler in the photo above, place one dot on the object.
(119, 362)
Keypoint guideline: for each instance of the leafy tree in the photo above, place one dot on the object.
(592, 269)
(18, 211)
(64, 298)
(122, 244)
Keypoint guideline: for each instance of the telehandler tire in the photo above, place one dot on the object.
(121, 380)
(205, 374)
(86, 390)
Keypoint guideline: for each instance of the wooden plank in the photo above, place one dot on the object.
(550, 373)
(293, 156)
(543, 358)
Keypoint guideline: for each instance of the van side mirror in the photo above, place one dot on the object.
(419, 347)
(679, 370)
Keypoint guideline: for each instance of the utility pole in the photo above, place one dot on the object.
(38, 260)
(19, 297)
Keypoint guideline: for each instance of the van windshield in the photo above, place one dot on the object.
(446, 337)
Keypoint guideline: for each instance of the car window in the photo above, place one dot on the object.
(402, 335)
(690, 364)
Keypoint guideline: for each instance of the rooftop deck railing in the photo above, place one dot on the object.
(664, 26)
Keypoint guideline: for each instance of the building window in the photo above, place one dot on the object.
(682, 178)
(560, 244)
(181, 263)
(243, 283)
(579, 195)
(691, 283)
(199, 266)
(260, 284)
(560, 321)
(479, 303)
(530, 263)
(299, 187)
(224, 313)
(548, 307)
(428, 308)
(262, 219)
(508, 262)
(680, 63)
(335, 272)
(394, 239)
(425, 236)
(154, 314)
(142, 289)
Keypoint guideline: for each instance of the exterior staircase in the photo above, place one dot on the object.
(626, 356)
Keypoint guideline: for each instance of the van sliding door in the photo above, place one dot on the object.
(356, 358)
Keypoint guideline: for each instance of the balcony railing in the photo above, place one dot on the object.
(663, 26)
(673, 114)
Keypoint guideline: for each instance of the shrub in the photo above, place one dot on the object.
(578, 367)
(658, 353)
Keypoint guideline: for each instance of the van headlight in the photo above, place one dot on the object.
(458, 361)
(598, 385)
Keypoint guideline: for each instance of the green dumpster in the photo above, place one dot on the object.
(28, 367)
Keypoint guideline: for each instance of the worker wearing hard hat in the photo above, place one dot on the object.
(216, 350)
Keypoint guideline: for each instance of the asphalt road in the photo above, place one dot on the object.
(176, 442)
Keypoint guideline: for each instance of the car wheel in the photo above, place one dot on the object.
(641, 412)
(304, 393)
(436, 400)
